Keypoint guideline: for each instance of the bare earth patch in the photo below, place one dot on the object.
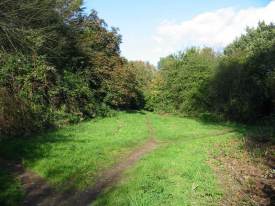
(246, 180)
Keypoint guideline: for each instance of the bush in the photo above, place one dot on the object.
(243, 87)
(178, 86)
(24, 100)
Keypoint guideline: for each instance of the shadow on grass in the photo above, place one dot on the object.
(132, 111)
(13, 152)
(11, 192)
(262, 132)
(16, 149)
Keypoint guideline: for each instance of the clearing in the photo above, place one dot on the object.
(139, 158)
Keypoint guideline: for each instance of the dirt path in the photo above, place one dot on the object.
(36, 188)
(110, 177)
(38, 191)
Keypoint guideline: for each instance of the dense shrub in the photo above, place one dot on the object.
(243, 86)
(236, 85)
(128, 85)
(60, 65)
(25, 94)
(178, 86)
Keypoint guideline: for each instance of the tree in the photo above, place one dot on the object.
(242, 87)
(183, 75)
(128, 85)
(56, 63)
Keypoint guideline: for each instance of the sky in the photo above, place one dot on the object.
(152, 29)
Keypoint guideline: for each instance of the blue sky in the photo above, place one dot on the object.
(155, 28)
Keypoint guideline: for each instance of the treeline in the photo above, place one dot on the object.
(238, 84)
(60, 65)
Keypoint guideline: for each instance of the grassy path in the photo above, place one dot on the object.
(38, 192)
(176, 173)
(78, 158)
(110, 177)
(103, 162)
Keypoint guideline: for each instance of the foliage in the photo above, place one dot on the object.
(243, 86)
(182, 76)
(155, 100)
(236, 85)
(59, 65)
(129, 84)
(25, 88)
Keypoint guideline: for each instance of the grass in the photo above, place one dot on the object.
(77, 153)
(176, 173)
(11, 192)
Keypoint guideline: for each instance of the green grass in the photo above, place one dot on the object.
(11, 192)
(176, 173)
(76, 154)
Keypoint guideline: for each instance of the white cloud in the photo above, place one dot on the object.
(215, 29)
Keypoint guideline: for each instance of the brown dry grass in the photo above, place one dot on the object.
(247, 178)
